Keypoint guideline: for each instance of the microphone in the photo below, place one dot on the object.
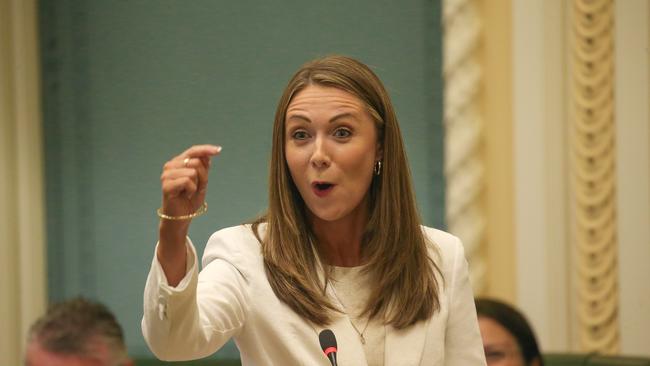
(328, 345)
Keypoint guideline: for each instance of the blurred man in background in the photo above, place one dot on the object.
(76, 332)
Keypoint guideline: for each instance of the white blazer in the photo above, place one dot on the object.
(231, 297)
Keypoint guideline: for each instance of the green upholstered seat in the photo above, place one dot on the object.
(565, 359)
(618, 361)
(577, 359)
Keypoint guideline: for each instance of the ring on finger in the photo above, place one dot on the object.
(186, 161)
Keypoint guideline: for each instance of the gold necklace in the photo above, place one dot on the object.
(360, 333)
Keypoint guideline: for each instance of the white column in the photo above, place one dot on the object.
(22, 233)
(539, 120)
(633, 172)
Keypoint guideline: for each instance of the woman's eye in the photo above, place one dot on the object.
(494, 356)
(300, 135)
(342, 133)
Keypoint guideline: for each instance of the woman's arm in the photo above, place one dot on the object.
(187, 315)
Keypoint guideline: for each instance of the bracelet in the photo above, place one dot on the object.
(203, 209)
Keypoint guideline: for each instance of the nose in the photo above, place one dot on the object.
(320, 158)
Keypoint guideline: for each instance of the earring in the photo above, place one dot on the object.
(377, 169)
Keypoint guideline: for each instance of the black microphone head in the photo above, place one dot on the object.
(327, 341)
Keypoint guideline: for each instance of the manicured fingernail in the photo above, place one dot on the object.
(218, 149)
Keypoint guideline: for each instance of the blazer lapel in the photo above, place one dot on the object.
(404, 347)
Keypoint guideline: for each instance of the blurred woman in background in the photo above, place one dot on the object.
(508, 339)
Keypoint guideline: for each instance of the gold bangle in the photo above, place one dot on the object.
(203, 209)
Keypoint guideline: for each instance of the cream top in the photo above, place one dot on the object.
(352, 291)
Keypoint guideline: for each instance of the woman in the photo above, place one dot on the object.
(508, 339)
(340, 247)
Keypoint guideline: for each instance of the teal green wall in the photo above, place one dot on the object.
(128, 84)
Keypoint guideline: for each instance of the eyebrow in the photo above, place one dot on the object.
(498, 346)
(333, 119)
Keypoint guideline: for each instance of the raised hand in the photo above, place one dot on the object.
(184, 182)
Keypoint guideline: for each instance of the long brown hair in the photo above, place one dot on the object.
(405, 289)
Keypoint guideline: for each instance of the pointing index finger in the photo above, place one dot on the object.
(202, 151)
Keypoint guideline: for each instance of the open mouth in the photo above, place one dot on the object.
(322, 188)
